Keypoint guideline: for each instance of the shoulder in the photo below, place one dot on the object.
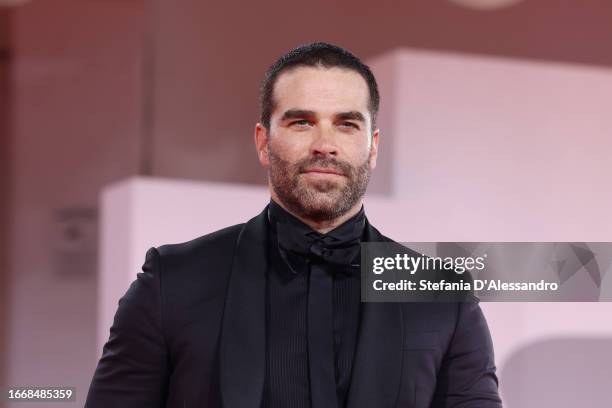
(221, 240)
(203, 262)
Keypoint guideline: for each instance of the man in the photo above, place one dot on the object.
(268, 313)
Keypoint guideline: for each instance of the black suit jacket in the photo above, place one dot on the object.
(190, 332)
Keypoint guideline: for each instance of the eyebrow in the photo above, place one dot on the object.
(297, 113)
(352, 115)
(302, 113)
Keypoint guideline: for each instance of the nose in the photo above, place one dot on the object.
(324, 143)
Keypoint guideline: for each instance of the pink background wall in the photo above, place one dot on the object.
(76, 94)
(100, 90)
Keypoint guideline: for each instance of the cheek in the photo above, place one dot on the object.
(359, 147)
(360, 154)
(290, 150)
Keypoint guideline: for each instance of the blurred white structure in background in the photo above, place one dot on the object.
(486, 4)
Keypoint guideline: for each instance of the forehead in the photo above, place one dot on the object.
(321, 89)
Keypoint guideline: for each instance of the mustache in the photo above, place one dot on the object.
(326, 163)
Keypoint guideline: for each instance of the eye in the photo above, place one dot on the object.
(349, 125)
(301, 122)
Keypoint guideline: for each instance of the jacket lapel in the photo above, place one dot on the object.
(242, 347)
(377, 367)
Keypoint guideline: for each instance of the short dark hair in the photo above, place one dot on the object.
(312, 55)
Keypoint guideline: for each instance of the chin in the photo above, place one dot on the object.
(322, 187)
(322, 202)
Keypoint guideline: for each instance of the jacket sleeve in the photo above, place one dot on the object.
(133, 370)
(467, 376)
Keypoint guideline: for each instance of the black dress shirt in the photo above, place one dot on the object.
(287, 381)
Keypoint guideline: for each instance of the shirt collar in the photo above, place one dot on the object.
(349, 229)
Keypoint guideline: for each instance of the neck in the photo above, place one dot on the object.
(322, 227)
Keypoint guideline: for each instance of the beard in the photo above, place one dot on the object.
(317, 200)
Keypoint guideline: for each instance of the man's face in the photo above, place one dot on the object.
(320, 148)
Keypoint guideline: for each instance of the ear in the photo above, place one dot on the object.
(374, 149)
(261, 144)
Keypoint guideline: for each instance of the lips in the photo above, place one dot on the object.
(323, 170)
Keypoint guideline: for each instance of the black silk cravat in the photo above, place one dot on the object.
(321, 255)
(338, 250)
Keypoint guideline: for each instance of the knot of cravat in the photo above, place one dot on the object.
(316, 247)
